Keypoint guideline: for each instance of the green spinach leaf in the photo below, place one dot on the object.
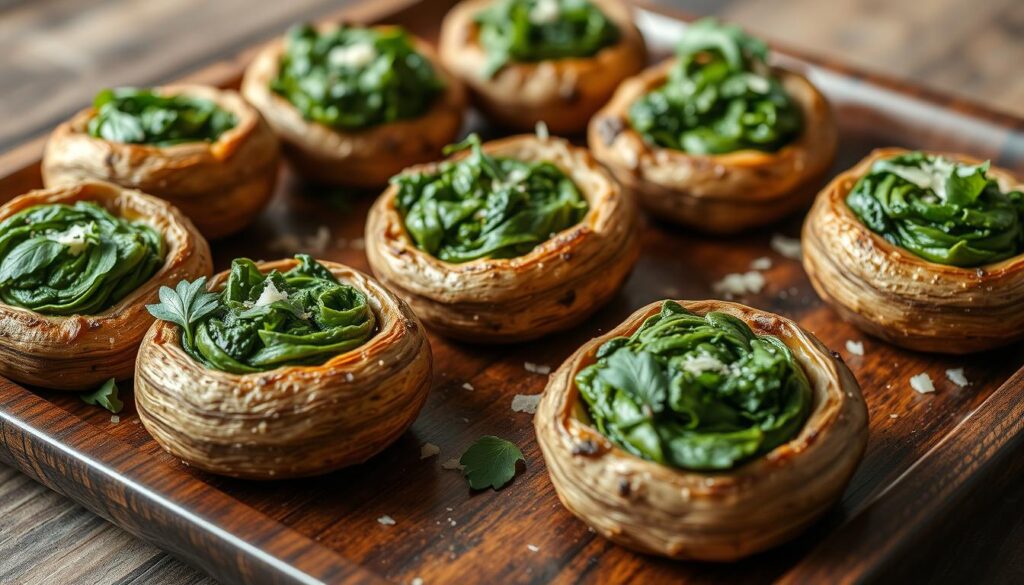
(481, 206)
(940, 210)
(720, 97)
(78, 259)
(140, 116)
(352, 78)
(694, 392)
(540, 30)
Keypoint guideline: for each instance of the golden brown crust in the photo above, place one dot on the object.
(553, 287)
(563, 93)
(220, 185)
(292, 421)
(724, 193)
(80, 352)
(357, 158)
(903, 298)
(719, 516)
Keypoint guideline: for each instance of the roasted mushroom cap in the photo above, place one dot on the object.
(896, 295)
(292, 421)
(562, 93)
(716, 516)
(723, 193)
(80, 352)
(357, 158)
(553, 287)
(220, 185)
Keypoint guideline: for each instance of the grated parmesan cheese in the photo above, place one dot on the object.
(737, 284)
(544, 11)
(386, 520)
(762, 263)
(526, 403)
(533, 547)
(698, 364)
(467, 386)
(72, 238)
(541, 129)
(115, 419)
(416, 581)
(956, 376)
(357, 55)
(922, 383)
(452, 465)
(855, 347)
(270, 295)
(787, 247)
(429, 450)
(537, 368)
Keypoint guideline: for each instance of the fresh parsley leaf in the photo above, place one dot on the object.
(490, 462)
(185, 305)
(105, 396)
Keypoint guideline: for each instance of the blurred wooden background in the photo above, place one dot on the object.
(58, 53)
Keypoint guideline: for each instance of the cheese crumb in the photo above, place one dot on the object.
(72, 238)
(894, 415)
(429, 450)
(787, 247)
(357, 55)
(115, 419)
(467, 386)
(541, 130)
(452, 465)
(537, 368)
(956, 376)
(526, 403)
(533, 547)
(386, 520)
(855, 347)
(737, 284)
(698, 364)
(270, 295)
(544, 11)
(416, 581)
(762, 263)
(922, 383)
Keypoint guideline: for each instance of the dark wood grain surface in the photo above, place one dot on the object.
(487, 534)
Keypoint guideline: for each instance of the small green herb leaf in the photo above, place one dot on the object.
(105, 396)
(185, 305)
(638, 374)
(490, 462)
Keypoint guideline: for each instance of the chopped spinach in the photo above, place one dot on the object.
(482, 206)
(720, 97)
(941, 210)
(140, 116)
(264, 321)
(78, 259)
(539, 30)
(701, 393)
(352, 78)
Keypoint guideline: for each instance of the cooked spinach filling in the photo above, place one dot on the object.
(139, 116)
(351, 78)
(481, 206)
(720, 97)
(696, 392)
(264, 321)
(941, 210)
(78, 259)
(539, 30)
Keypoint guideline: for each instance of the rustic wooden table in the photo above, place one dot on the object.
(58, 53)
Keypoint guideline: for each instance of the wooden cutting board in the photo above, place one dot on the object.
(925, 452)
